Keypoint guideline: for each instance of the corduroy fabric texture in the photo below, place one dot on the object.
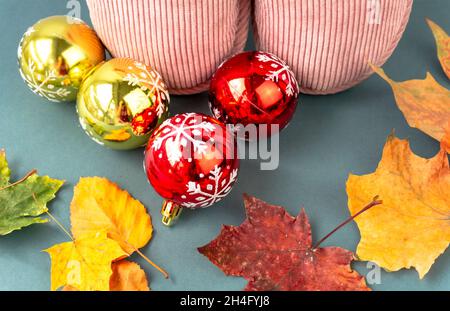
(184, 40)
(329, 43)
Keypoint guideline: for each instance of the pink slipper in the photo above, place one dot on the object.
(328, 43)
(185, 40)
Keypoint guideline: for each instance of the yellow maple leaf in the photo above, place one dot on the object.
(84, 263)
(128, 276)
(411, 228)
(443, 46)
(425, 105)
(98, 204)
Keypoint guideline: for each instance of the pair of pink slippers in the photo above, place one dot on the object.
(327, 43)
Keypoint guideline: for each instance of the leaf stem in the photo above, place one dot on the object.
(54, 219)
(29, 174)
(166, 275)
(60, 225)
(374, 202)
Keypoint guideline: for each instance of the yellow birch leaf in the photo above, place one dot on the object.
(411, 228)
(128, 276)
(425, 105)
(443, 46)
(85, 263)
(99, 204)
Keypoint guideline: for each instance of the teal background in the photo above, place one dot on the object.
(330, 137)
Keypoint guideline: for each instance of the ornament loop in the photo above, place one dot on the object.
(170, 212)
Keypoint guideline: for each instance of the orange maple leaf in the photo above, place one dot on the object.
(425, 105)
(128, 276)
(412, 226)
(443, 46)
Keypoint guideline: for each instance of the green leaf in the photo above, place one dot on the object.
(21, 204)
(4, 170)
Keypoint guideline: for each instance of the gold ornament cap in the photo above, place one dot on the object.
(170, 212)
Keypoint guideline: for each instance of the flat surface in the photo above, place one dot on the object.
(329, 138)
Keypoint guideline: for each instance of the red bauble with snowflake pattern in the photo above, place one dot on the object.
(191, 160)
(254, 88)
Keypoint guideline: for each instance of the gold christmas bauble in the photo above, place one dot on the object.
(55, 54)
(121, 102)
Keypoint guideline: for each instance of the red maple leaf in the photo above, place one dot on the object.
(273, 251)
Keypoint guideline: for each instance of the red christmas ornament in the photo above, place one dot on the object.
(191, 160)
(254, 88)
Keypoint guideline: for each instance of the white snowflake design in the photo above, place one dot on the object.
(47, 88)
(214, 192)
(280, 71)
(179, 134)
(153, 78)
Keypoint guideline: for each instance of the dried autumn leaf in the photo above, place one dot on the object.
(425, 105)
(85, 263)
(273, 251)
(128, 276)
(69, 288)
(443, 46)
(411, 228)
(99, 204)
(22, 203)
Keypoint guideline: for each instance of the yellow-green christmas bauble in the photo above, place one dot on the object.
(55, 54)
(121, 102)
